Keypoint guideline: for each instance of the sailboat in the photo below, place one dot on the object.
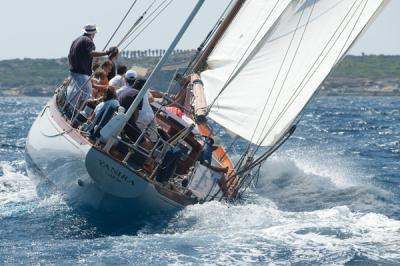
(252, 76)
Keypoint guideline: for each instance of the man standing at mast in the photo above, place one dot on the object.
(80, 59)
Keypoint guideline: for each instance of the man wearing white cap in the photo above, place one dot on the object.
(80, 59)
(130, 78)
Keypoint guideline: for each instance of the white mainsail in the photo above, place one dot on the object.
(252, 22)
(272, 59)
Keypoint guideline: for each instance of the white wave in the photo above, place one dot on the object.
(304, 182)
(14, 185)
(321, 163)
(17, 191)
(332, 233)
(304, 211)
(324, 229)
(53, 200)
(223, 234)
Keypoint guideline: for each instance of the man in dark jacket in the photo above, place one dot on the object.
(80, 59)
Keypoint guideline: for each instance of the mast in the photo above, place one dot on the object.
(181, 97)
(153, 74)
(218, 35)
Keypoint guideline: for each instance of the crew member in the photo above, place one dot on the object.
(80, 59)
(118, 81)
(130, 78)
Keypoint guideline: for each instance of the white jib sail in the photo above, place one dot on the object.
(261, 75)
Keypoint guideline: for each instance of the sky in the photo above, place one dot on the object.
(46, 28)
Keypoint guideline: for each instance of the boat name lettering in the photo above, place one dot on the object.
(115, 173)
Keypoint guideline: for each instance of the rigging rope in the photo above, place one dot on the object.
(208, 37)
(122, 21)
(288, 105)
(147, 18)
(348, 37)
(245, 169)
(133, 27)
(279, 72)
(148, 24)
(201, 46)
(300, 85)
(304, 82)
(252, 154)
(266, 155)
(234, 71)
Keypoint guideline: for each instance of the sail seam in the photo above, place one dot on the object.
(314, 67)
(287, 74)
(262, 157)
(239, 63)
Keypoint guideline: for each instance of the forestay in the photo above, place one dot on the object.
(272, 59)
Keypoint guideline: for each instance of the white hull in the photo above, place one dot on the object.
(86, 177)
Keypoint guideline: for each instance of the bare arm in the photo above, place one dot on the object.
(155, 94)
(98, 53)
(112, 52)
(100, 87)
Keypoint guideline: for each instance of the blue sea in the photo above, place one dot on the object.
(329, 196)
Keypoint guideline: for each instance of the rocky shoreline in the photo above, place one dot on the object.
(360, 87)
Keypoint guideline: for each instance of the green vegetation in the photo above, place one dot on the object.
(32, 72)
(368, 66)
(40, 76)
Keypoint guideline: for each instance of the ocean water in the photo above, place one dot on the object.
(329, 196)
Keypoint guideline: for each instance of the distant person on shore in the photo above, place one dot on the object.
(80, 59)
(119, 81)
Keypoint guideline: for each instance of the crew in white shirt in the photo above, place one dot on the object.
(130, 78)
(119, 81)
